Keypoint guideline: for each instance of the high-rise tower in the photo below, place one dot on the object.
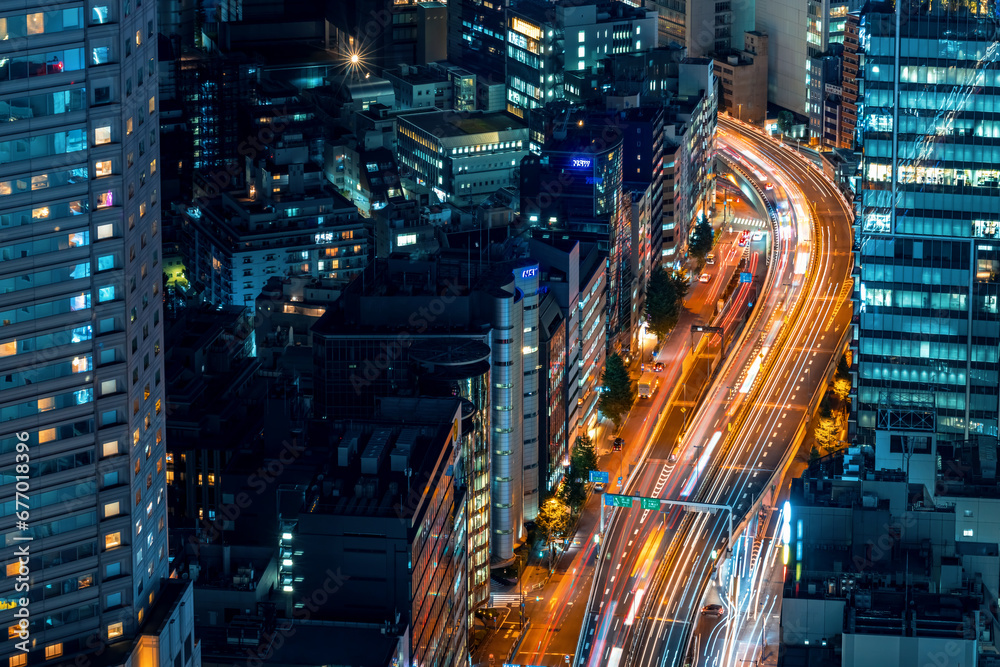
(928, 225)
(81, 359)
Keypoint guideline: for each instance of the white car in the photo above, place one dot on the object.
(598, 487)
(757, 236)
(704, 278)
(710, 259)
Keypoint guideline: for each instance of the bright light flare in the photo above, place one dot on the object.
(634, 609)
(754, 369)
(702, 462)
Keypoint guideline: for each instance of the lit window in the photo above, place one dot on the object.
(106, 294)
(105, 199)
(112, 540)
(138, 38)
(968, 532)
(152, 104)
(53, 651)
(112, 509)
(128, 126)
(36, 23)
(105, 231)
(115, 630)
(19, 660)
(13, 568)
(103, 168)
(405, 240)
(110, 448)
(13, 632)
(102, 135)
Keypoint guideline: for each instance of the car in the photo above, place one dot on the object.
(705, 277)
(769, 186)
(674, 454)
(757, 236)
(713, 610)
(598, 487)
(710, 259)
(618, 444)
(744, 237)
(658, 367)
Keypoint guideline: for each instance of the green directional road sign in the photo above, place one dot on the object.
(615, 500)
(650, 504)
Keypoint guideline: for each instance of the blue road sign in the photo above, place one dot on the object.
(746, 277)
(599, 476)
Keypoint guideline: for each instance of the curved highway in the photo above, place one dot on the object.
(655, 565)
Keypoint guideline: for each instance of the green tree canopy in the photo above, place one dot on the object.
(552, 519)
(584, 456)
(617, 391)
(701, 239)
(785, 121)
(665, 294)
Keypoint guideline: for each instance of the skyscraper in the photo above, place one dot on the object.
(81, 364)
(929, 263)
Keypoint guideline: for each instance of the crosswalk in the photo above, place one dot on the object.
(502, 599)
(749, 222)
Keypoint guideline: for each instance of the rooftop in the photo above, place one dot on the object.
(446, 124)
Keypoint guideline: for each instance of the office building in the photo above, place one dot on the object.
(386, 513)
(476, 37)
(235, 242)
(466, 157)
(574, 273)
(81, 348)
(703, 28)
(364, 348)
(876, 575)
(742, 77)
(851, 91)
(926, 259)
(546, 40)
(575, 185)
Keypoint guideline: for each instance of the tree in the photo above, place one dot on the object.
(572, 492)
(665, 293)
(584, 457)
(617, 391)
(842, 388)
(701, 240)
(552, 519)
(826, 428)
(785, 120)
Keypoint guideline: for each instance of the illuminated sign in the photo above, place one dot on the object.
(529, 272)
(581, 162)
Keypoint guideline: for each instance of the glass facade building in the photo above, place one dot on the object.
(81, 360)
(926, 237)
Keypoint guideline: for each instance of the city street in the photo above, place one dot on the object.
(556, 612)
(642, 613)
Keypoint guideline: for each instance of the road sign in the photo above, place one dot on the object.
(619, 481)
(650, 504)
(567, 659)
(599, 476)
(746, 277)
(615, 500)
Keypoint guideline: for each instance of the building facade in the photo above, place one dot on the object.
(926, 282)
(81, 349)
(461, 156)
(546, 40)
